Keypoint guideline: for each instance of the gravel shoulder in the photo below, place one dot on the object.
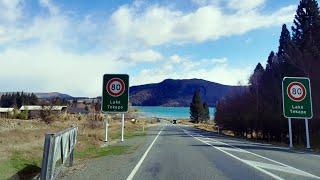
(112, 166)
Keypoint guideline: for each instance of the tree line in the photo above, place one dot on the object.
(256, 110)
(199, 112)
(18, 99)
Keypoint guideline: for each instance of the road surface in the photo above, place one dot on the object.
(173, 151)
(181, 152)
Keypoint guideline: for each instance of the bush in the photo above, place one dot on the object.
(23, 115)
(47, 115)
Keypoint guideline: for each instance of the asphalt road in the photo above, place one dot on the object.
(181, 152)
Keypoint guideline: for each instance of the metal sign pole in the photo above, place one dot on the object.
(106, 125)
(290, 133)
(122, 128)
(307, 133)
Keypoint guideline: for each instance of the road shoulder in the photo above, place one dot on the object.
(113, 166)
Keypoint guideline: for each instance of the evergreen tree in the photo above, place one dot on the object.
(284, 42)
(306, 23)
(205, 112)
(196, 107)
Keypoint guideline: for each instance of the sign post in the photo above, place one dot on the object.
(297, 102)
(115, 96)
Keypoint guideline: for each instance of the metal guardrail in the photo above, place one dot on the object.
(58, 148)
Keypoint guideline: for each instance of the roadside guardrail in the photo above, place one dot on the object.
(58, 149)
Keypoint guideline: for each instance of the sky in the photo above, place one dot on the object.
(67, 46)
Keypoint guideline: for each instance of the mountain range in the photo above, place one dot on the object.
(172, 92)
(169, 92)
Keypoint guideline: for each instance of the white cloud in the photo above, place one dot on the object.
(245, 4)
(48, 68)
(10, 10)
(175, 58)
(44, 54)
(145, 56)
(206, 2)
(156, 25)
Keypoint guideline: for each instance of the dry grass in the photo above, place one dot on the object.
(207, 127)
(21, 141)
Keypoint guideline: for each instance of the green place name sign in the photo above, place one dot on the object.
(115, 93)
(297, 102)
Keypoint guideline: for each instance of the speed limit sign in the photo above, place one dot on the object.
(115, 94)
(296, 91)
(297, 102)
(115, 87)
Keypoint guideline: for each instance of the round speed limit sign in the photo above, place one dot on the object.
(115, 87)
(296, 91)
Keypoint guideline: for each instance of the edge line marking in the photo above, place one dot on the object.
(136, 168)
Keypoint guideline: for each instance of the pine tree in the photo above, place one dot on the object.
(306, 23)
(196, 107)
(205, 112)
(284, 42)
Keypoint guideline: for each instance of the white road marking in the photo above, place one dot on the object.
(278, 168)
(274, 161)
(235, 157)
(293, 170)
(136, 168)
(232, 149)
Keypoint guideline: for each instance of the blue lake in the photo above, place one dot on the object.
(168, 112)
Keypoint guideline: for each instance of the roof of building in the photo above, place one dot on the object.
(39, 108)
(2, 110)
(76, 110)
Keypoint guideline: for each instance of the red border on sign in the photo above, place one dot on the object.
(303, 91)
(122, 85)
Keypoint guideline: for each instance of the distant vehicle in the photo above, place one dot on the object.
(174, 121)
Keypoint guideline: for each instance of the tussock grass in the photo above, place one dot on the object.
(21, 141)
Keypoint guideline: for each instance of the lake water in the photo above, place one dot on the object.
(168, 112)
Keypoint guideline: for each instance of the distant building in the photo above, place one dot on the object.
(6, 112)
(34, 111)
(77, 110)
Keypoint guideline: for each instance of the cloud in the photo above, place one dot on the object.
(48, 68)
(175, 58)
(44, 53)
(245, 4)
(157, 25)
(145, 56)
(10, 10)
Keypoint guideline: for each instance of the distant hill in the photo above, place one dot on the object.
(177, 92)
(49, 95)
(53, 95)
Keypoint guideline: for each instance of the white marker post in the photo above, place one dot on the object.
(307, 133)
(290, 133)
(106, 125)
(122, 127)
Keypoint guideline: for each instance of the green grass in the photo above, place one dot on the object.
(19, 164)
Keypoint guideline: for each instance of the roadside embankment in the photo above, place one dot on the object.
(21, 141)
